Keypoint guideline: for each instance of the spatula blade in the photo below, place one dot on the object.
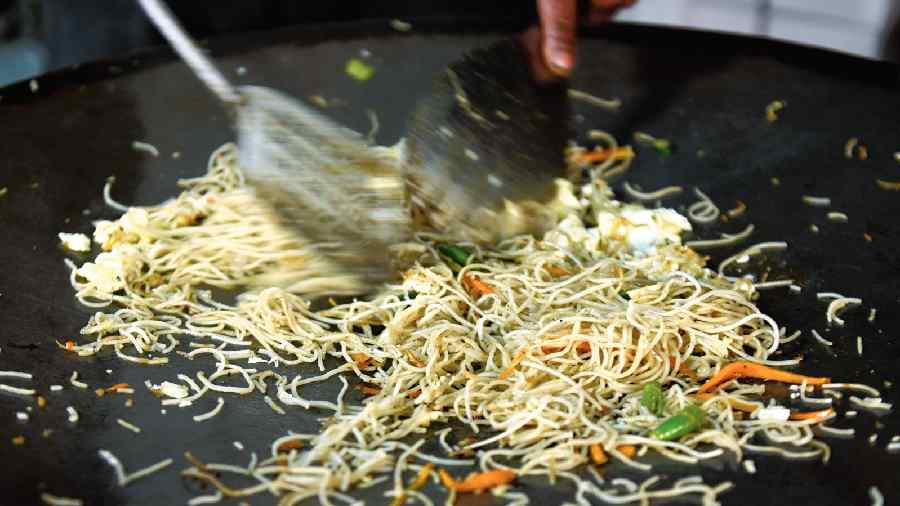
(344, 197)
(487, 135)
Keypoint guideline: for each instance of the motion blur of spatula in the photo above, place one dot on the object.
(482, 154)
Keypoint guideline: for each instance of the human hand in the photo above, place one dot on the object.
(552, 46)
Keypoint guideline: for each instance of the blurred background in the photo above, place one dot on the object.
(37, 36)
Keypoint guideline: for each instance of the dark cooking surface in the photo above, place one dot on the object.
(705, 92)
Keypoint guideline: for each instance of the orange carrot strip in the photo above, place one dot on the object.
(688, 373)
(478, 482)
(422, 477)
(361, 359)
(446, 479)
(580, 347)
(751, 370)
(294, 444)
(600, 155)
(367, 390)
(476, 286)
(627, 450)
(738, 210)
(70, 345)
(416, 484)
(598, 456)
(556, 271)
(513, 364)
(811, 415)
(414, 393)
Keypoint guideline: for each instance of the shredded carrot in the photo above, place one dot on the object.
(111, 390)
(361, 359)
(422, 477)
(70, 345)
(750, 370)
(414, 393)
(293, 444)
(683, 369)
(688, 373)
(598, 456)
(475, 286)
(580, 347)
(416, 484)
(600, 155)
(738, 210)
(736, 404)
(367, 390)
(556, 271)
(477, 482)
(811, 415)
(627, 450)
(513, 364)
(41, 402)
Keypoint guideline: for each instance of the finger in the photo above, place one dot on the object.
(531, 40)
(558, 26)
(603, 10)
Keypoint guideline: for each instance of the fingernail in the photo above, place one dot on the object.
(560, 63)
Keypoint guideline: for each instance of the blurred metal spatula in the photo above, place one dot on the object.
(484, 148)
(485, 138)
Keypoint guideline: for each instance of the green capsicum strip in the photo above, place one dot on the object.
(686, 421)
(653, 398)
(455, 253)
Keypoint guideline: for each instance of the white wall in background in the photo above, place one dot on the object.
(854, 26)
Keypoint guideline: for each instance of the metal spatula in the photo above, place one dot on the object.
(486, 137)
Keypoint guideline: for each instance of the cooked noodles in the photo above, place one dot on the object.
(541, 357)
(704, 210)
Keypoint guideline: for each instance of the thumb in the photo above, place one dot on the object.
(558, 26)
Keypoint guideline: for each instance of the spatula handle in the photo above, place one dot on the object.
(202, 66)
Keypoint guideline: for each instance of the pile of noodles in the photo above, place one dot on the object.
(549, 361)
